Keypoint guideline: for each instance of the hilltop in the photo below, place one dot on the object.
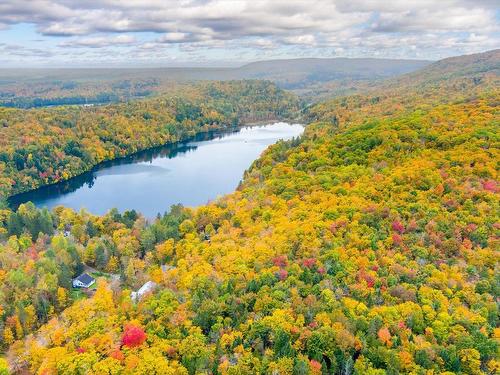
(486, 63)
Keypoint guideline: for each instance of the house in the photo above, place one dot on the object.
(143, 290)
(83, 281)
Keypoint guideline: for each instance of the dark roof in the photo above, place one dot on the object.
(85, 278)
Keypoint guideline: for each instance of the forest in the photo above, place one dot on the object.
(46, 145)
(367, 246)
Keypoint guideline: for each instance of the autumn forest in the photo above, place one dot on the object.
(369, 245)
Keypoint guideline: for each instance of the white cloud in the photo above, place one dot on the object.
(353, 27)
(261, 43)
(307, 39)
(102, 41)
(454, 19)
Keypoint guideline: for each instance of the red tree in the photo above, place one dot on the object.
(282, 274)
(133, 336)
(398, 227)
(280, 261)
(309, 262)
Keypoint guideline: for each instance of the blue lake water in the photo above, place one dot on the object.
(191, 173)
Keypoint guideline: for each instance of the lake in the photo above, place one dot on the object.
(192, 173)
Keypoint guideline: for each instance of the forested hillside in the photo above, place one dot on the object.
(47, 145)
(44, 87)
(368, 246)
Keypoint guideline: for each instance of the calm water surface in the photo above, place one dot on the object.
(191, 173)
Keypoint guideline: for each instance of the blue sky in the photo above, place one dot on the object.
(62, 33)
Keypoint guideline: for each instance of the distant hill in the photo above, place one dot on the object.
(306, 77)
(444, 81)
(459, 73)
(314, 79)
(465, 66)
(297, 73)
(287, 70)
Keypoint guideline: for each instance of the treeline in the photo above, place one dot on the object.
(102, 98)
(27, 91)
(43, 146)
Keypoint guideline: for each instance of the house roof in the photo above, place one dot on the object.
(85, 278)
(146, 287)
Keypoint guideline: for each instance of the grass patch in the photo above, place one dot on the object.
(97, 274)
(77, 294)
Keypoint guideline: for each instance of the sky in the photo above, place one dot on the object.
(152, 33)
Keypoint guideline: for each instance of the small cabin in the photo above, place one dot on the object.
(143, 290)
(83, 281)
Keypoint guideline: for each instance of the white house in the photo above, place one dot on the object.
(146, 288)
(83, 281)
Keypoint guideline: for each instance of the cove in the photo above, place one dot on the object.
(192, 173)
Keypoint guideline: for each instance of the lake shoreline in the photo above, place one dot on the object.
(14, 201)
(182, 140)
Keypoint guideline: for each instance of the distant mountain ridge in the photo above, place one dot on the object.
(475, 68)
(465, 66)
(314, 79)
(334, 76)
(326, 69)
(442, 82)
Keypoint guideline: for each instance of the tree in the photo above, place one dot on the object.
(4, 367)
(282, 345)
(8, 336)
(62, 297)
(470, 361)
(133, 336)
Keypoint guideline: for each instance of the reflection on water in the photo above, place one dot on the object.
(121, 166)
(191, 173)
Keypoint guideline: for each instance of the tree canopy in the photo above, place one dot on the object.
(368, 246)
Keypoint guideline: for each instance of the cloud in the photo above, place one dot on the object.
(354, 27)
(307, 39)
(383, 6)
(98, 42)
(260, 43)
(177, 37)
(21, 51)
(221, 19)
(457, 19)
